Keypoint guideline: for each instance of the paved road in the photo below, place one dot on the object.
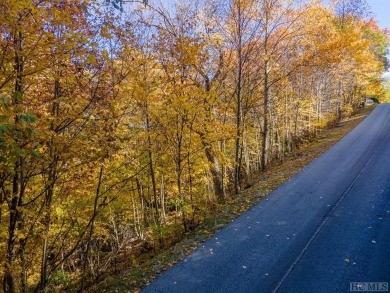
(326, 227)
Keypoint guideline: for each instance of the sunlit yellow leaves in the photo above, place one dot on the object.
(105, 55)
(105, 33)
(91, 59)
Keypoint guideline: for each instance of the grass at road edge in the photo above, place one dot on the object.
(135, 278)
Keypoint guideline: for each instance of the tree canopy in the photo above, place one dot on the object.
(123, 123)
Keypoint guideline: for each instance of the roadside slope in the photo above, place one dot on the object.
(255, 252)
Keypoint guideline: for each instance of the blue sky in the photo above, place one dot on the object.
(381, 11)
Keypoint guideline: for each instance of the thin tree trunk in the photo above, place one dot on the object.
(52, 171)
(162, 198)
(237, 166)
(264, 156)
(9, 277)
(91, 231)
(179, 170)
(152, 172)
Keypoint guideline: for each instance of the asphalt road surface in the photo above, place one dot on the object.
(326, 227)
